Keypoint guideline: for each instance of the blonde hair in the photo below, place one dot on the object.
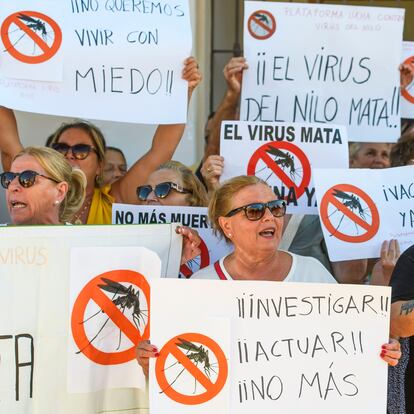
(58, 168)
(221, 200)
(198, 196)
(97, 137)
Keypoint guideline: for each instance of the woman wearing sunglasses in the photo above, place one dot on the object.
(84, 146)
(173, 184)
(42, 188)
(245, 212)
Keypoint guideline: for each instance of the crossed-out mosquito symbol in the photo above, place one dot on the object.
(124, 298)
(36, 25)
(284, 160)
(353, 203)
(198, 354)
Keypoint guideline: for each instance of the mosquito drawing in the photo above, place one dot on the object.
(285, 161)
(124, 298)
(196, 353)
(262, 18)
(353, 203)
(37, 25)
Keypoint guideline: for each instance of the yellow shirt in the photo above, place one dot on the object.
(101, 206)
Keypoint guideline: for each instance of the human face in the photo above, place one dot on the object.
(372, 155)
(253, 236)
(38, 204)
(90, 165)
(115, 166)
(174, 198)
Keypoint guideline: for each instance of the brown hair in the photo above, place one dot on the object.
(403, 150)
(220, 203)
(96, 136)
(58, 168)
(198, 196)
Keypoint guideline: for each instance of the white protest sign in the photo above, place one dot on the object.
(53, 293)
(407, 103)
(212, 247)
(360, 208)
(292, 346)
(283, 155)
(109, 302)
(321, 63)
(117, 54)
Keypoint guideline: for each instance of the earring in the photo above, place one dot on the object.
(57, 202)
(229, 235)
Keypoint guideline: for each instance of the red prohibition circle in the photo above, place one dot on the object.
(329, 198)
(92, 292)
(404, 92)
(263, 19)
(48, 51)
(212, 388)
(261, 154)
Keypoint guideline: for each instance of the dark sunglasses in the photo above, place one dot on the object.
(79, 151)
(26, 178)
(255, 211)
(160, 190)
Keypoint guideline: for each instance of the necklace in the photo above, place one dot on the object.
(80, 216)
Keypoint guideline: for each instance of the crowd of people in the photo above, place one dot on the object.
(77, 178)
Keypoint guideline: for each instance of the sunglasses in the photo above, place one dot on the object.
(160, 190)
(255, 211)
(79, 151)
(26, 178)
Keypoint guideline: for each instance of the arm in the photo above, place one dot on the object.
(402, 283)
(350, 271)
(227, 110)
(164, 144)
(10, 144)
(402, 319)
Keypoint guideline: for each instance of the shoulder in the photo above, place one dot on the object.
(208, 272)
(214, 271)
(309, 269)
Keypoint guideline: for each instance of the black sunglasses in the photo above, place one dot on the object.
(26, 178)
(79, 151)
(160, 190)
(255, 211)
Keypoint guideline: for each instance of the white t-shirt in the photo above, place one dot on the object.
(303, 269)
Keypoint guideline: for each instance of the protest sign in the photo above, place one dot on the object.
(212, 247)
(320, 63)
(250, 346)
(76, 303)
(283, 155)
(360, 208)
(407, 103)
(84, 58)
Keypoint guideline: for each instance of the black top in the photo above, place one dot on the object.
(402, 283)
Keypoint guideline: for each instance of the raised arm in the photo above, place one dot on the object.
(164, 144)
(10, 143)
(228, 108)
